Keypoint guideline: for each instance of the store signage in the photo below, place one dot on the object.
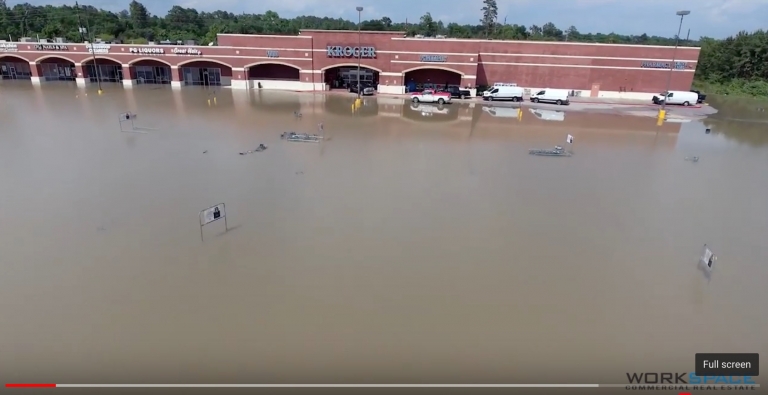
(8, 47)
(98, 48)
(186, 51)
(273, 54)
(150, 51)
(51, 47)
(434, 58)
(664, 65)
(337, 51)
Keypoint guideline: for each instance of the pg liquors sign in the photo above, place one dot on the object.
(147, 51)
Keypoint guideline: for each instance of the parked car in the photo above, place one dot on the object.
(430, 96)
(504, 92)
(702, 96)
(557, 96)
(676, 97)
(368, 89)
(457, 92)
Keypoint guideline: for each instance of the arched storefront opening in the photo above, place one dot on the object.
(345, 76)
(106, 70)
(431, 78)
(274, 71)
(206, 73)
(151, 71)
(421, 112)
(14, 68)
(55, 68)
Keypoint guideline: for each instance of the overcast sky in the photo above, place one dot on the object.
(714, 18)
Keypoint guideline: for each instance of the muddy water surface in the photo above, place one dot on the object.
(416, 244)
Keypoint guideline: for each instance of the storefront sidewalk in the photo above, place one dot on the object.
(579, 100)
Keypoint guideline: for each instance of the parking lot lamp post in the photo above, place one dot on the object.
(673, 65)
(359, 47)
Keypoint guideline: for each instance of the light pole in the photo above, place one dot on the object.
(673, 66)
(359, 49)
(87, 29)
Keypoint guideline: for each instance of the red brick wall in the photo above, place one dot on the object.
(646, 80)
(491, 61)
(264, 41)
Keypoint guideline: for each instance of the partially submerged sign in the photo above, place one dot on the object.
(129, 118)
(708, 258)
(213, 214)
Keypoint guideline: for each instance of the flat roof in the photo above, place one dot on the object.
(352, 31)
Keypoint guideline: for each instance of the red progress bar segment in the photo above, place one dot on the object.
(29, 385)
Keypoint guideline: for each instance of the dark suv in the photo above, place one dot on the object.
(367, 89)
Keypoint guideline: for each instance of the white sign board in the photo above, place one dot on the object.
(8, 47)
(186, 51)
(707, 257)
(211, 214)
(98, 48)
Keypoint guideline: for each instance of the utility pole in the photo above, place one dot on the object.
(87, 29)
(672, 67)
(359, 49)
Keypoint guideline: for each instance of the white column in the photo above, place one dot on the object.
(128, 83)
(176, 84)
(37, 80)
(80, 81)
(240, 79)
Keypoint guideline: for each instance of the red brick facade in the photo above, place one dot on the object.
(304, 58)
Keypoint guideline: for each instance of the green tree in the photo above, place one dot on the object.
(139, 15)
(428, 27)
(490, 16)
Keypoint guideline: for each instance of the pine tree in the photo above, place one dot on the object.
(490, 15)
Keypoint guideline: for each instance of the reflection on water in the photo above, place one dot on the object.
(415, 244)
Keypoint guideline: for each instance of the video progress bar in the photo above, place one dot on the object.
(49, 385)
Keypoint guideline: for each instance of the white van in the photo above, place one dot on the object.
(514, 93)
(557, 96)
(548, 115)
(502, 112)
(677, 97)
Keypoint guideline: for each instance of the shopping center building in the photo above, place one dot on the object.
(317, 60)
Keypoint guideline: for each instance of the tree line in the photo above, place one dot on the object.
(738, 63)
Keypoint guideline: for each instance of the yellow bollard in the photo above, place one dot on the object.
(214, 100)
(209, 102)
(661, 118)
(100, 91)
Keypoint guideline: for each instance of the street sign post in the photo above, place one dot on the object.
(213, 214)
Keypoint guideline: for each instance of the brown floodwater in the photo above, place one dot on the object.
(416, 244)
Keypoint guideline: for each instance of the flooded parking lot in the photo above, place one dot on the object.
(416, 243)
